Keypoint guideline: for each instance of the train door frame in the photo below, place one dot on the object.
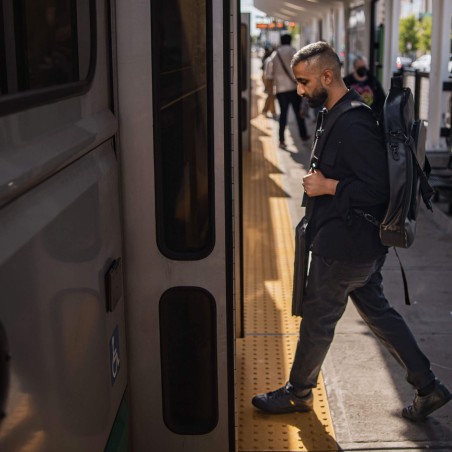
(153, 274)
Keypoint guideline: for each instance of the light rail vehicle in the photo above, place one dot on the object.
(119, 225)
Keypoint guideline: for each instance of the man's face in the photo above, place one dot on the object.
(309, 84)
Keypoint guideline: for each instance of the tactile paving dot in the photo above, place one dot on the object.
(265, 355)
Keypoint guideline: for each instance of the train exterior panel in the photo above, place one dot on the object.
(117, 220)
(61, 251)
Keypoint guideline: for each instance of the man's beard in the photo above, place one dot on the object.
(318, 98)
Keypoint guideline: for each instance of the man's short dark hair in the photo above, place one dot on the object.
(286, 39)
(323, 51)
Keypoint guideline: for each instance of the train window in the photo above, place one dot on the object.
(188, 360)
(244, 37)
(46, 50)
(183, 146)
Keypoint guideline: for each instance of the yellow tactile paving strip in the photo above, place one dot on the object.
(265, 355)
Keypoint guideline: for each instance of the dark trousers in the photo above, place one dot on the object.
(285, 99)
(329, 284)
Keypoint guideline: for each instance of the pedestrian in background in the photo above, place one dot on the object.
(278, 70)
(269, 105)
(366, 85)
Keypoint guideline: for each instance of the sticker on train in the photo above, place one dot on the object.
(115, 362)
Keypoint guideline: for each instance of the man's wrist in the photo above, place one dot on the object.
(332, 185)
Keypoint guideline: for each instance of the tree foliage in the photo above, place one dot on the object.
(425, 34)
(415, 34)
(408, 35)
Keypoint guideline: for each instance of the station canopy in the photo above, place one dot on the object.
(299, 11)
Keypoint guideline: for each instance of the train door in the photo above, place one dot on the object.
(175, 103)
(63, 365)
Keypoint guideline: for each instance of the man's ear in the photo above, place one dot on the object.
(327, 77)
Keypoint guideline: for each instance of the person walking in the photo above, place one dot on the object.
(365, 84)
(278, 70)
(269, 105)
(346, 253)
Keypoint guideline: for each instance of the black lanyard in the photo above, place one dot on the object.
(315, 153)
(315, 156)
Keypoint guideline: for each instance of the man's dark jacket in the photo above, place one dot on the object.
(354, 154)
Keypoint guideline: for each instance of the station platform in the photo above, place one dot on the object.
(362, 390)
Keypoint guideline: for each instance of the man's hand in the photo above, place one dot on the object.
(316, 184)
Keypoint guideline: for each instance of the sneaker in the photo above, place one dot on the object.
(282, 145)
(283, 400)
(424, 405)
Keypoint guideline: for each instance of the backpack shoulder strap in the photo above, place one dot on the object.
(323, 130)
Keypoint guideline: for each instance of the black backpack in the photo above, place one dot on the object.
(408, 167)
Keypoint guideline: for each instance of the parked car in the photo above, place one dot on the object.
(403, 62)
(422, 63)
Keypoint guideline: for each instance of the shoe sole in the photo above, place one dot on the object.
(406, 415)
(294, 410)
(286, 411)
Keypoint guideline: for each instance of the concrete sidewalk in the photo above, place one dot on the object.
(366, 387)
